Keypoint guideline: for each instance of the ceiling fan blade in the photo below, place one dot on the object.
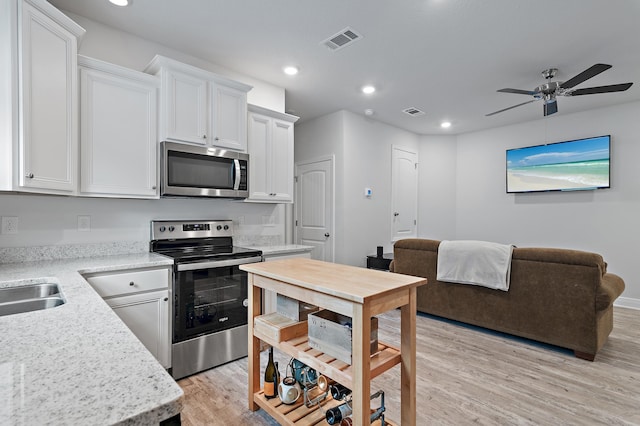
(550, 107)
(518, 91)
(601, 89)
(511, 107)
(585, 75)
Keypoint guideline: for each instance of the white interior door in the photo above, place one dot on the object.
(404, 194)
(314, 207)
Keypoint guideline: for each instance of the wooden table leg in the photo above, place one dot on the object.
(408, 360)
(253, 359)
(361, 364)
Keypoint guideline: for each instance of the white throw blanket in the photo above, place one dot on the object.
(475, 262)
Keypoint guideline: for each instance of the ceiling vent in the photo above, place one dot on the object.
(342, 39)
(414, 112)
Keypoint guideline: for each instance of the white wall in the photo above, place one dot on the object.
(437, 187)
(362, 149)
(368, 165)
(124, 49)
(603, 221)
(53, 220)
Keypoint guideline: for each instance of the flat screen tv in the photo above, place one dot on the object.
(563, 166)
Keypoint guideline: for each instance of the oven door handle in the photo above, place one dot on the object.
(217, 263)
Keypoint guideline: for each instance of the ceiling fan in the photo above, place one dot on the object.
(550, 90)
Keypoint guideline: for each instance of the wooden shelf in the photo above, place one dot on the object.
(298, 414)
(385, 358)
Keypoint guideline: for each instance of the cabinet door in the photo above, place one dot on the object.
(229, 117)
(147, 316)
(259, 157)
(184, 108)
(118, 136)
(49, 104)
(281, 165)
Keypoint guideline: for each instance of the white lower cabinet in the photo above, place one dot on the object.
(147, 315)
(141, 298)
(118, 143)
(269, 297)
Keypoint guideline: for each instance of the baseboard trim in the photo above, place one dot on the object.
(627, 302)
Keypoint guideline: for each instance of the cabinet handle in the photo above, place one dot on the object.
(132, 283)
(326, 234)
(153, 187)
(166, 299)
(29, 176)
(396, 214)
(216, 138)
(204, 136)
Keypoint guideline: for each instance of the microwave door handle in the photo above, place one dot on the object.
(236, 183)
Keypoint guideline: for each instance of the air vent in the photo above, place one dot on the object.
(414, 112)
(342, 39)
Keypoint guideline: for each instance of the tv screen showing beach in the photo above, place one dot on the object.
(563, 166)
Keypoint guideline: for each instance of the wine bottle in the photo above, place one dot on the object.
(338, 391)
(270, 377)
(335, 415)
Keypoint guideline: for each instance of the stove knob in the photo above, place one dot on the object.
(219, 227)
(245, 302)
(172, 228)
(162, 228)
(226, 227)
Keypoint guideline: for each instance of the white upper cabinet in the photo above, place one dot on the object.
(40, 105)
(229, 124)
(118, 143)
(200, 107)
(184, 108)
(270, 147)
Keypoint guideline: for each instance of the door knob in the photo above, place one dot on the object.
(326, 234)
(396, 214)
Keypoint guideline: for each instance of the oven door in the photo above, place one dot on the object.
(209, 296)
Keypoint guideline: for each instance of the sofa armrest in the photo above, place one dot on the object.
(611, 287)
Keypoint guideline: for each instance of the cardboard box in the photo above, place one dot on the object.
(292, 308)
(331, 333)
(279, 327)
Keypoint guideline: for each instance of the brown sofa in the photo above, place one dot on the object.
(556, 296)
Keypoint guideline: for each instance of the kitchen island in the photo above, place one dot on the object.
(354, 292)
(78, 363)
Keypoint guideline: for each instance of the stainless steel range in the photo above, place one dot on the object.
(209, 292)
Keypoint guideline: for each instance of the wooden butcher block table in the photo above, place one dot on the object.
(358, 293)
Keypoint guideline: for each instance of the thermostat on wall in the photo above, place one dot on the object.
(368, 192)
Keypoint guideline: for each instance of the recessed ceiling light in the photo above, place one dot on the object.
(291, 70)
(368, 112)
(121, 2)
(367, 90)
(445, 124)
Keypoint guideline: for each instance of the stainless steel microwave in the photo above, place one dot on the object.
(195, 171)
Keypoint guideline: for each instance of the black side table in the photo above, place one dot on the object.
(382, 263)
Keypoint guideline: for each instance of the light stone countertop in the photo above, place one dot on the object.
(78, 364)
(283, 249)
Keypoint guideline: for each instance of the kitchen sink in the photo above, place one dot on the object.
(28, 298)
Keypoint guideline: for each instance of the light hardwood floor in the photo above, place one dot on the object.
(467, 375)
